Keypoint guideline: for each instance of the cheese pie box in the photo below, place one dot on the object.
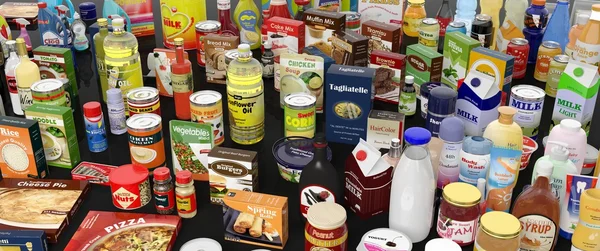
(389, 75)
(125, 231)
(35, 204)
(23, 240)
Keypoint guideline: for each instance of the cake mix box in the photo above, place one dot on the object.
(350, 48)
(388, 12)
(382, 36)
(162, 59)
(215, 47)
(320, 27)
(23, 240)
(502, 69)
(22, 154)
(424, 64)
(389, 75)
(457, 49)
(286, 35)
(101, 230)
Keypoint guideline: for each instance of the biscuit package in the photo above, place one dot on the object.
(389, 75)
(350, 48)
(320, 27)
(215, 47)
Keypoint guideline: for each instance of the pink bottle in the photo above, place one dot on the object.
(569, 132)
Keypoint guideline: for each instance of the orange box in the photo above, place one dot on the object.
(255, 218)
(21, 149)
(162, 59)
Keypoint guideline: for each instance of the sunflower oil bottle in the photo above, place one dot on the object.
(245, 98)
(99, 46)
(122, 60)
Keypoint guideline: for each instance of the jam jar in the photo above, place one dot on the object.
(459, 212)
(498, 231)
(326, 227)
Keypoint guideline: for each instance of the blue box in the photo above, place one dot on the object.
(348, 99)
(25, 240)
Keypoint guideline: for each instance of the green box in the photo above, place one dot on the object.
(424, 64)
(190, 144)
(59, 137)
(457, 49)
(55, 62)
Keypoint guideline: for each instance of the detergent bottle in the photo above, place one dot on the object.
(62, 13)
(81, 42)
(52, 4)
(22, 22)
(50, 27)
(112, 11)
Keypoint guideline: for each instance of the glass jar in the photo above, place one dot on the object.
(185, 194)
(498, 231)
(413, 16)
(326, 227)
(164, 194)
(459, 213)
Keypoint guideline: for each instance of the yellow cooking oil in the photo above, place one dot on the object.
(122, 60)
(245, 98)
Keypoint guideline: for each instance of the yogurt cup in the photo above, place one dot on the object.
(384, 239)
(292, 154)
(529, 147)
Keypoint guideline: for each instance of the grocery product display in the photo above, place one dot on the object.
(116, 138)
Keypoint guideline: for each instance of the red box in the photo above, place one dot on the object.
(388, 86)
(286, 35)
(92, 172)
(99, 228)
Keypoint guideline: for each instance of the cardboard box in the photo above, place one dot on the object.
(457, 50)
(302, 73)
(382, 36)
(577, 94)
(389, 76)
(95, 173)
(59, 136)
(383, 127)
(13, 10)
(350, 48)
(55, 62)
(502, 68)
(346, 5)
(129, 230)
(286, 35)
(349, 91)
(327, 60)
(231, 169)
(190, 144)
(141, 15)
(389, 12)
(215, 47)
(252, 207)
(478, 100)
(320, 27)
(53, 213)
(161, 59)
(424, 64)
(22, 154)
(23, 240)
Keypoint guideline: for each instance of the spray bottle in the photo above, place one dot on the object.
(51, 27)
(22, 22)
(81, 42)
(52, 4)
(111, 10)
(62, 13)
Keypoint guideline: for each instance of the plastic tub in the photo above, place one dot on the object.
(292, 154)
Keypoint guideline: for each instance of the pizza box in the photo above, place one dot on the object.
(35, 204)
(117, 231)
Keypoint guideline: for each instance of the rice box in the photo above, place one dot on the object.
(350, 48)
(161, 59)
(389, 75)
(23, 240)
(231, 169)
(320, 27)
(349, 91)
(424, 64)
(457, 49)
(190, 144)
(389, 11)
(215, 47)
(57, 128)
(286, 35)
(501, 67)
(302, 73)
(382, 36)
(56, 62)
(21, 149)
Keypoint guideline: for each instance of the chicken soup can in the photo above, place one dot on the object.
(49, 92)
(529, 102)
(299, 115)
(143, 100)
(130, 187)
(207, 107)
(146, 142)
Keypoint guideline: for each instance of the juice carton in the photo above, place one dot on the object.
(505, 33)
(576, 95)
(160, 63)
(424, 64)
(457, 49)
(498, 65)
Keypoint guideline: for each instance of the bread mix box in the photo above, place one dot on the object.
(389, 75)
(350, 48)
(22, 154)
(125, 231)
(215, 47)
(255, 218)
(36, 204)
(286, 35)
(23, 240)
(320, 26)
(382, 36)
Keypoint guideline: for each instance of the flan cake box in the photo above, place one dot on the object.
(349, 92)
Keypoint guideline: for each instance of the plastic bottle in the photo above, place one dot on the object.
(182, 81)
(536, 18)
(9, 70)
(99, 50)
(515, 12)
(50, 25)
(465, 12)
(408, 97)
(558, 25)
(227, 26)
(413, 188)
(414, 14)
(78, 28)
(474, 159)
(185, 194)
(116, 111)
(5, 34)
(278, 8)
(559, 156)
(452, 132)
(569, 132)
(302, 6)
(22, 22)
(268, 61)
(95, 128)
(492, 8)
(111, 8)
(247, 17)
(53, 3)
(575, 32)
(88, 13)
(588, 44)
(62, 13)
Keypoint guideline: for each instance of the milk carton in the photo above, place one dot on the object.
(457, 49)
(500, 66)
(577, 93)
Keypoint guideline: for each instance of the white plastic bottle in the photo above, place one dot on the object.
(515, 12)
(569, 132)
(559, 156)
(413, 188)
(116, 111)
(9, 69)
(465, 12)
(452, 132)
(78, 28)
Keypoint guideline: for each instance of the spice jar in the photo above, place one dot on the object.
(164, 194)
(498, 231)
(186, 194)
(459, 213)
(326, 227)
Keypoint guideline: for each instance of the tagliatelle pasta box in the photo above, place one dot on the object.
(125, 231)
(21, 149)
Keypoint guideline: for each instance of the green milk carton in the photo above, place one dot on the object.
(424, 64)
(457, 49)
(58, 63)
(576, 95)
(59, 137)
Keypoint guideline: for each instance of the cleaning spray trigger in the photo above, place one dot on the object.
(22, 22)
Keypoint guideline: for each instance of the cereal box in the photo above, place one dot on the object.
(350, 48)
(388, 12)
(286, 35)
(424, 64)
(502, 70)
(231, 169)
(55, 62)
(320, 27)
(95, 173)
(215, 47)
(161, 59)
(22, 149)
(389, 75)
(23, 240)
(190, 144)
(382, 36)
(255, 218)
(302, 73)
(457, 49)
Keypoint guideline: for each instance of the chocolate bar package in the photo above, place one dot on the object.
(350, 48)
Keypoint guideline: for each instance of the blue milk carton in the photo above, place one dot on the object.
(348, 99)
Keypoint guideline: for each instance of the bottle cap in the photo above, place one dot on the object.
(596, 7)
(178, 41)
(320, 141)
(118, 23)
(452, 129)
(88, 8)
(506, 114)
(559, 152)
(114, 95)
(76, 16)
(161, 173)
(545, 168)
(409, 80)
(42, 5)
(477, 145)
(442, 101)
(92, 109)
(183, 177)
(539, 2)
(268, 44)
(570, 125)
(102, 22)
(417, 136)
(582, 18)
(395, 142)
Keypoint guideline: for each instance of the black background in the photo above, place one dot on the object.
(208, 222)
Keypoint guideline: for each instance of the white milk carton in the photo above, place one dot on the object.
(576, 95)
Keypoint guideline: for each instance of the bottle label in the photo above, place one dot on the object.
(457, 231)
(187, 203)
(434, 121)
(473, 167)
(407, 103)
(249, 31)
(502, 177)
(164, 200)
(25, 97)
(182, 83)
(96, 135)
(534, 21)
(538, 233)
(429, 37)
(443, 24)
(588, 53)
(268, 66)
(117, 119)
(448, 169)
(314, 194)
(51, 38)
(411, 25)
(246, 111)
(125, 77)
(12, 84)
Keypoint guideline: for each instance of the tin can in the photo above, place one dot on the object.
(556, 69)
(207, 107)
(130, 187)
(68, 91)
(49, 92)
(143, 100)
(203, 29)
(519, 49)
(352, 21)
(456, 26)
(429, 33)
(230, 55)
(529, 102)
(299, 115)
(482, 30)
(146, 142)
(178, 19)
(277, 78)
(547, 51)
(326, 228)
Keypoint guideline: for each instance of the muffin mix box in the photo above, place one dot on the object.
(55, 62)
(23, 240)
(125, 231)
(286, 35)
(382, 36)
(424, 64)
(190, 144)
(40, 204)
(320, 26)
(231, 169)
(22, 154)
(215, 47)
(389, 75)
(349, 99)
(350, 48)
(255, 218)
